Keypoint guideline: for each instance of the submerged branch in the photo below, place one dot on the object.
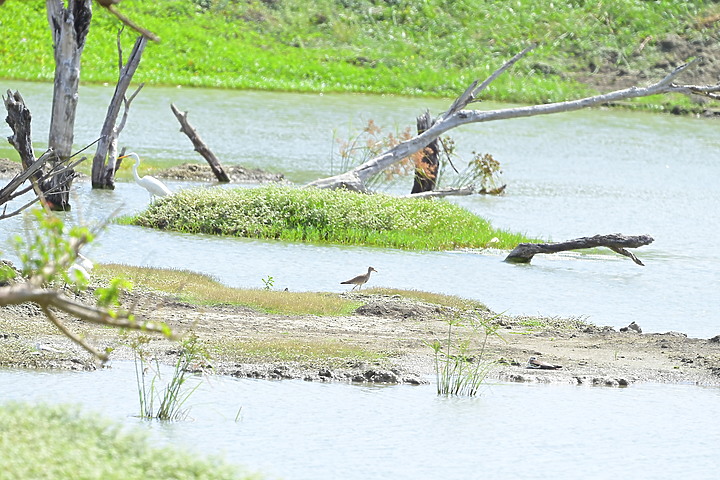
(524, 252)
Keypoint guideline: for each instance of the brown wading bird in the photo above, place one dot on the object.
(535, 363)
(360, 280)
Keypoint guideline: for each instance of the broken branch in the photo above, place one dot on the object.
(524, 252)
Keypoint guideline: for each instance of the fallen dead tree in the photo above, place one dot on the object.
(616, 242)
(356, 178)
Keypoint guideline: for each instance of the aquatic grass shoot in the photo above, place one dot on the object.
(326, 216)
(461, 367)
(173, 396)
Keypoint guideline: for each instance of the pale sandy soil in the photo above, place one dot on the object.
(396, 327)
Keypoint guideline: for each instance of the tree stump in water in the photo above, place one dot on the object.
(427, 171)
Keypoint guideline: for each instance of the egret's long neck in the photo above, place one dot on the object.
(135, 167)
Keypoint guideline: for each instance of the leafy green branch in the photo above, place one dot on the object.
(46, 256)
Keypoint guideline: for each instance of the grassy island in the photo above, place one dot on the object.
(325, 216)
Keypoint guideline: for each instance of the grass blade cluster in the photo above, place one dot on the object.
(325, 216)
(460, 371)
(172, 397)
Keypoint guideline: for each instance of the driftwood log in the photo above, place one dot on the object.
(105, 160)
(199, 145)
(457, 115)
(616, 242)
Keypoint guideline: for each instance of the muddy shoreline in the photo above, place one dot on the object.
(395, 328)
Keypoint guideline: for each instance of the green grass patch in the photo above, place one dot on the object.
(451, 301)
(325, 216)
(432, 48)
(203, 289)
(329, 352)
(56, 442)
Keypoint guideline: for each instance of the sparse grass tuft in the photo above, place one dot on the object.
(325, 216)
(451, 301)
(330, 352)
(460, 363)
(203, 289)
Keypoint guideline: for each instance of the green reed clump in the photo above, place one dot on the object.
(325, 216)
(460, 364)
(43, 441)
(172, 397)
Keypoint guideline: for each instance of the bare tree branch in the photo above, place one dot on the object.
(355, 179)
(200, 146)
(524, 252)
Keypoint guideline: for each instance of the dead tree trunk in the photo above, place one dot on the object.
(105, 159)
(524, 252)
(19, 119)
(426, 172)
(456, 116)
(69, 27)
(199, 145)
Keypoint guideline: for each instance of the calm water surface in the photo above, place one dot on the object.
(303, 430)
(568, 176)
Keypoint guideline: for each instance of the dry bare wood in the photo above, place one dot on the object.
(69, 27)
(616, 242)
(446, 192)
(199, 145)
(105, 159)
(456, 116)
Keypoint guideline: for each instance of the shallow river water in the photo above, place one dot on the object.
(305, 430)
(570, 175)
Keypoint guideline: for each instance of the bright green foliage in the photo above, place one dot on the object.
(59, 443)
(51, 247)
(327, 216)
(429, 47)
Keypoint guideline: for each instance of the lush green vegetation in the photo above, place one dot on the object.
(433, 47)
(325, 216)
(55, 442)
(203, 289)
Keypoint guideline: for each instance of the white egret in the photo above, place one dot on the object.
(360, 280)
(82, 266)
(154, 186)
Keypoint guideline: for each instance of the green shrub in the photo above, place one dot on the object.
(56, 442)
